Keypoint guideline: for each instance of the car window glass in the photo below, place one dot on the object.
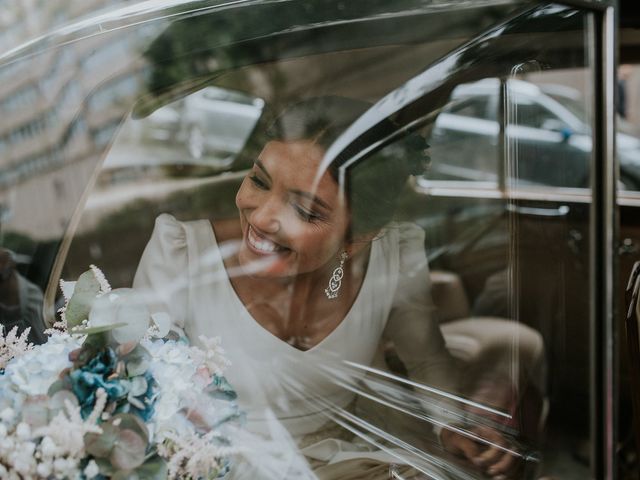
(430, 277)
(548, 131)
(465, 137)
(528, 113)
(476, 107)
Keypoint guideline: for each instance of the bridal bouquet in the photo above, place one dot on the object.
(106, 397)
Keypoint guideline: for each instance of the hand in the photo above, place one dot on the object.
(493, 455)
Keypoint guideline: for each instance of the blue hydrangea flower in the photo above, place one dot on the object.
(86, 380)
(146, 400)
(221, 388)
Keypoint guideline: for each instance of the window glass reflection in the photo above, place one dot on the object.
(414, 305)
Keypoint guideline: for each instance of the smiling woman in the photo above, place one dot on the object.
(310, 277)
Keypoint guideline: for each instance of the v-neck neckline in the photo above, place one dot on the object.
(273, 338)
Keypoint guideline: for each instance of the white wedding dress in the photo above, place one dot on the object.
(182, 272)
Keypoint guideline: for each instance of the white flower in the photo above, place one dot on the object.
(191, 455)
(212, 355)
(91, 470)
(60, 465)
(102, 280)
(35, 371)
(48, 447)
(122, 305)
(13, 345)
(44, 469)
(7, 415)
(23, 431)
(67, 429)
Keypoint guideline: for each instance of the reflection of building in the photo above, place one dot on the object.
(50, 137)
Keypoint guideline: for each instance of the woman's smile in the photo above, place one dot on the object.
(262, 245)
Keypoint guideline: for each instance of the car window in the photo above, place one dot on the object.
(364, 201)
(476, 107)
(529, 113)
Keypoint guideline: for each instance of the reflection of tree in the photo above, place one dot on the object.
(208, 43)
(205, 45)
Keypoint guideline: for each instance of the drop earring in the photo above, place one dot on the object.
(335, 282)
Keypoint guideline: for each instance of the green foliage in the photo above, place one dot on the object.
(153, 469)
(122, 447)
(92, 345)
(86, 289)
(96, 330)
(203, 46)
(137, 362)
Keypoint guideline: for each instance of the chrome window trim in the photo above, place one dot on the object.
(589, 4)
(603, 258)
(445, 188)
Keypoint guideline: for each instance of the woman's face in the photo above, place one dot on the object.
(288, 226)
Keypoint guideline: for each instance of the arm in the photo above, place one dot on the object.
(412, 326)
(415, 333)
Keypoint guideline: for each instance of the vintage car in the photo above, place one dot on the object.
(550, 123)
(117, 112)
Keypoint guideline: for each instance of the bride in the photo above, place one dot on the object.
(304, 286)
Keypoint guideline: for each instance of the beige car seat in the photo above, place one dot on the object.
(502, 361)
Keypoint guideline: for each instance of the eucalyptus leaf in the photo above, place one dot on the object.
(137, 367)
(125, 475)
(101, 445)
(118, 306)
(94, 330)
(56, 387)
(126, 348)
(131, 422)
(35, 411)
(129, 450)
(153, 469)
(84, 294)
(138, 386)
(105, 467)
(59, 398)
(138, 361)
(91, 345)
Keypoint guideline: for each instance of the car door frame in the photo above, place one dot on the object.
(603, 265)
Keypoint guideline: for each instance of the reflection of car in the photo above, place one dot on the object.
(219, 120)
(546, 131)
(213, 121)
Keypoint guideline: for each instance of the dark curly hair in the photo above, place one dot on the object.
(373, 184)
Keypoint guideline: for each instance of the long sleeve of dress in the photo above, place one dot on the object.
(412, 326)
(162, 274)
